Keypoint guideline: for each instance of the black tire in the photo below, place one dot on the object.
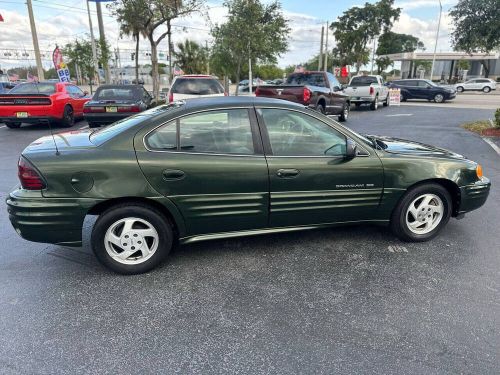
(374, 104)
(486, 89)
(320, 108)
(439, 98)
(398, 218)
(13, 125)
(345, 112)
(402, 97)
(387, 101)
(136, 210)
(68, 119)
(357, 105)
(460, 89)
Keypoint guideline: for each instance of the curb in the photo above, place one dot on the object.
(492, 144)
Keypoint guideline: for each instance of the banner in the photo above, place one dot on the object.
(60, 66)
(394, 96)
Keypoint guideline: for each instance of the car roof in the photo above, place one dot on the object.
(195, 76)
(127, 86)
(237, 101)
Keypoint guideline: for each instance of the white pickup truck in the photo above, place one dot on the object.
(368, 90)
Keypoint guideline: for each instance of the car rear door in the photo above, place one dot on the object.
(210, 164)
(311, 181)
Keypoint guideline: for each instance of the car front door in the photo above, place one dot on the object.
(337, 97)
(311, 180)
(210, 164)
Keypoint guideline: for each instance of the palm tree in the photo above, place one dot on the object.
(191, 57)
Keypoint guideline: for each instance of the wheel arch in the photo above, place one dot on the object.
(170, 212)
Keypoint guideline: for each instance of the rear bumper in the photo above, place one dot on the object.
(361, 99)
(474, 196)
(47, 220)
(30, 120)
(106, 118)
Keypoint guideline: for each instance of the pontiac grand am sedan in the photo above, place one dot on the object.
(226, 167)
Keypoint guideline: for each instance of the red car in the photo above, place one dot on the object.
(42, 102)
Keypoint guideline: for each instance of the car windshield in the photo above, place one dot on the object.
(197, 86)
(117, 93)
(363, 81)
(34, 88)
(104, 134)
(311, 79)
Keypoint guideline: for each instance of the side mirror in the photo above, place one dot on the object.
(351, 149)
(337, 88)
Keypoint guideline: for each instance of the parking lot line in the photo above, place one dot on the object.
(399, 114)
(3, 126)
(493, 145)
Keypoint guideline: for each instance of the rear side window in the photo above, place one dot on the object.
(313, 79)
(363, 81)
(197, 86)
(34, 88)
(218, 132)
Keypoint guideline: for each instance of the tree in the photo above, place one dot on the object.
(253, 31)
(357, 26)
(477, 27)
(268, 71)
(191, 57)
(390, 42)
(152, 15)
(129, 14)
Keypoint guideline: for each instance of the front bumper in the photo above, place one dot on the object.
(475, 195)
(29, 120)
(48, 220)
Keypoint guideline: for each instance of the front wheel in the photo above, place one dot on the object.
(486, 89)
(421, 213)
(439, 98)
(131, 238)
(13, 125)
(345, 112)
(387, 101)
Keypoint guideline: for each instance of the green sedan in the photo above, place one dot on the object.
(227, 167)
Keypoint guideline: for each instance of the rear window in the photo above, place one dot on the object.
(34, 88)
(117, 93)
(197, 86)
(314, 79)
(363, 81)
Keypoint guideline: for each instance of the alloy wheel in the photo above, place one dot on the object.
(424, 213)
(439, 98)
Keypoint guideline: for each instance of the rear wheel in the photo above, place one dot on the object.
(460, 89)
(132, 238)
(345, 112)
(13, 125)
(374, 104)
(486, 89)
(402, 98)
(421, 213)
(439, 98)
(68, 119)
(357, 105)
(320, 108)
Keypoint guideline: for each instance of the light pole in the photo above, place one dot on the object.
(437, 37)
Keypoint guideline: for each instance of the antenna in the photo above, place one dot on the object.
(50, 126)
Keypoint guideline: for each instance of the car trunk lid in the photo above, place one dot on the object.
(64, 141)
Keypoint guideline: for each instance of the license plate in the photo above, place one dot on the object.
(111, 109)
(21, 114)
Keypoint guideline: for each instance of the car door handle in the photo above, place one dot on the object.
(173, 174)
(287, 173)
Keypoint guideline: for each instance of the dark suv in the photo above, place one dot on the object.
(422, 89)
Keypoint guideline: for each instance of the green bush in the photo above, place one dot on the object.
(498, 79)
(497, 118)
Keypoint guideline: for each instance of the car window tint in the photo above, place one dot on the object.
(34, 88)
(422, 84)
(311, 79)
(197, 86)
(74, 91)
(363, 81)
(116, 93)
(163, 138)
(333, 80)
(221, 132)
(297, 134)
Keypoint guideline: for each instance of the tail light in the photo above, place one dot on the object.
(306, 94)
(29, 177)
(372, 90)
(170, 97)
(257, 91)
(134, 108)
(90, 109)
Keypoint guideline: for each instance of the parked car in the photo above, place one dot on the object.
(227, 167)
(368, 90)
(138, 82)
(317, 90)
(111, 103)
(477, 84)
(43, 102)
(195, 86)
(423, 89)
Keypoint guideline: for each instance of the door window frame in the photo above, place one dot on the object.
(363, 152)
(258, 150)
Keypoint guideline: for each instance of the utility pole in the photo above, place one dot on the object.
(320, 60)
(94, 50)
(437, 37)
(208, 57)
(250, 79)
(39, 66)
(102, 37)
(325, 66)
(373, 56)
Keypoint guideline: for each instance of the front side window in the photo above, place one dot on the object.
(218, 132)
(297, 134)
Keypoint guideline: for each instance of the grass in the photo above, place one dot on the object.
(477, 126)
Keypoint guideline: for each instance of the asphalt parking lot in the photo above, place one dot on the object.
(344, 300)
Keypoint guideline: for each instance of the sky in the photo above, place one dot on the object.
(61, 21)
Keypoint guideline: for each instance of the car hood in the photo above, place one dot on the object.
(65, 140)
(405, 147)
